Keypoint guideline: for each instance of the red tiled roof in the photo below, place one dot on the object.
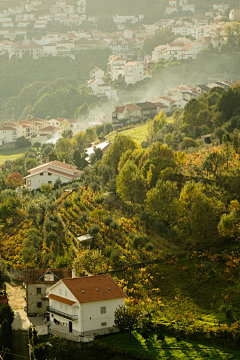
(33, 276)
(50, 128)
(61, 299)
(94, 288)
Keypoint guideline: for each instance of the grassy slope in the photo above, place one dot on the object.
(138, 134)
(169, 348)
(11, 154)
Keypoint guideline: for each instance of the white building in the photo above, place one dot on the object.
(171, 9)
(8, 134)
(50, 172)
(119, 19)
(84, 306)
(81, 6)
(90, 151)
(222, 8)
(32, 49)
(134, 72)
(68, 9)
(188, 7)
(116, 67)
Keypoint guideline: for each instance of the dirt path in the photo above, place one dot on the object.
(16, 298)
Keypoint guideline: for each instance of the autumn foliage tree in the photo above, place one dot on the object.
(14, 180)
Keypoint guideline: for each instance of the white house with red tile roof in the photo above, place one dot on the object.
(170, 10)
(134, 72)
(50, 172)
(8, 134)
(84, 306)
(32, 49)
(51, 130)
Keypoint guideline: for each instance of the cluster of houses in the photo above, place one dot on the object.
(127, 40)
(76, 306)
(174, 99)
(37, 130)
(179, 6)
(53, 171)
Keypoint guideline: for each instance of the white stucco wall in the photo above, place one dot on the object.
(37, 180)
(90, 320)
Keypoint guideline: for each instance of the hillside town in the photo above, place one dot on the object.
(25, 29)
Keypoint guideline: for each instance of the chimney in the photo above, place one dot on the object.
(64, 160)
(47, 160)
(73, 273)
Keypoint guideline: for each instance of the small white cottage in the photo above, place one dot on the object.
(83, 306)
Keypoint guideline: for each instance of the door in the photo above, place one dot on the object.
(70, 326)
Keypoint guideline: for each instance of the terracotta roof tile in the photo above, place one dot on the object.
(94, 288)
(33, 276)
(61, 299)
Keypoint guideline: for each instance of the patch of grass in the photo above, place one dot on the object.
(138, 133)
(169, 348)
(11, 154)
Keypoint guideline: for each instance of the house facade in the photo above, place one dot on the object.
(50, 172)
(37, 282)
(84, 306)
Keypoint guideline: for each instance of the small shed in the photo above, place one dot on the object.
(206, 139)
(85, 239)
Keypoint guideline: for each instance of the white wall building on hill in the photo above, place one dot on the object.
(84, 306)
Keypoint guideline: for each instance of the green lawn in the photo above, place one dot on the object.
(138, 133)
(169, 348)
(11, 154)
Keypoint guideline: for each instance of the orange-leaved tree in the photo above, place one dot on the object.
(14, 180)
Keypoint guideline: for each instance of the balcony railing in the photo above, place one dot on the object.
(62, 314)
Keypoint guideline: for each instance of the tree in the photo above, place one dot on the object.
(130, 184)
(31, 163)
(96, 156)
(67, 134)
(9, 208)
(126, 318)
(77, 158)
(46, 188)
(162, 201)
(155, 125)
(32, 247)
(3, 278)
(91, 261)
(22, 142)
(198, 214)
(14, 180)
(120, 145)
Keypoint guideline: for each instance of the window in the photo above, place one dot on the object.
(39, 304)
(60, 305)
(41, 174)
(60, 291)
(49, 174)
(66, 294)
(104, 324)
(66, 308)
(48, 277)
(103, 310)
(49, 183)
(38, 290)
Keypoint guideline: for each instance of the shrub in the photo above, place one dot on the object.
(107, 221)
(93, 230)
(149, 247)
(139, 241)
